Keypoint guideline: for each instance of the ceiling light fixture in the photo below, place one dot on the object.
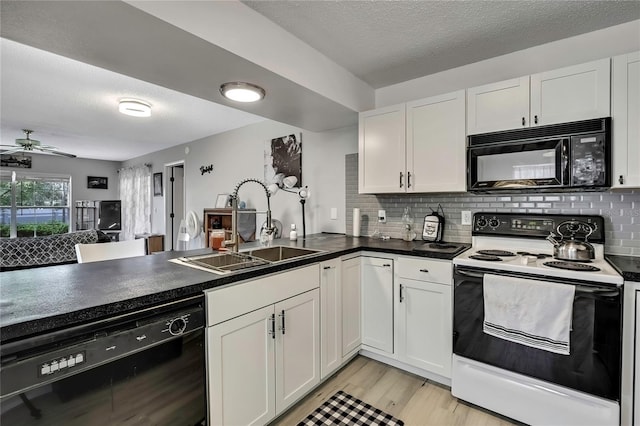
(135, 108)
(242, 92)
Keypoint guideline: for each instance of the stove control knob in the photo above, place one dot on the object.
(481, 222)
(177, 326)
(494, 222)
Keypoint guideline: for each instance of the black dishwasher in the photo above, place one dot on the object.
(142, 368)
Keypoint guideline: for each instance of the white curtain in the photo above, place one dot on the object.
(135, 193)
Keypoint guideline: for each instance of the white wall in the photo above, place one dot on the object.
(599, 44)
(239, 154)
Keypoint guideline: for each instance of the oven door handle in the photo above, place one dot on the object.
(469, 274)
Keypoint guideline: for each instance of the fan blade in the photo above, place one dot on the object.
(54, 151)
(12, 150)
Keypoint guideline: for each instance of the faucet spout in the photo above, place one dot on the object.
(234, 242)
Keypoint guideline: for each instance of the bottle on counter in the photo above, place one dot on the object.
(293, 235)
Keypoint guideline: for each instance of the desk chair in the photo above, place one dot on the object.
(107, 251)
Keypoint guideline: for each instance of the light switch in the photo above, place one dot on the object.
(382, 216)
(334, 213)
(466, 217)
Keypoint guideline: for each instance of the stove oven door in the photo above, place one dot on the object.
(593, 365)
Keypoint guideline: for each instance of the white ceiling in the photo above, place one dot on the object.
(72, 105)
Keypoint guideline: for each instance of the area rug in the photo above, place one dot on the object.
(344, 409)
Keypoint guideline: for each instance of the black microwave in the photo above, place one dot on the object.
(559, 157)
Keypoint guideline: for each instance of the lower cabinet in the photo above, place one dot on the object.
(636, 396)
(351, 307)
(330, 317)
(424, 314)
(263, 361)
(377, 304)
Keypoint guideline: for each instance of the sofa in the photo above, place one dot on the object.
(32, 252)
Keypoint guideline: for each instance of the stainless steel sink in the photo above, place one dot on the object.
(223, 263)
(278, 253)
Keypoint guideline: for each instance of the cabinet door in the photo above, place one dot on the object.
(579, 92)
(626, 125)
(298, 347)
(381, 152)
(377, 303)
(436, 144)
(498, 106)
(636, 396)
(241, 369)
(330, 317)
(351, 306)
(425, 325)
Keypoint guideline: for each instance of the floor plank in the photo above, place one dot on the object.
(413, 399)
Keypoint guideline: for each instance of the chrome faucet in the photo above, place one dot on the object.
(269, 230)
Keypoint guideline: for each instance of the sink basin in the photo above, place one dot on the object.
(223, 262)
(278, 253)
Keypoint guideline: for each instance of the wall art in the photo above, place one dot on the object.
(97, 182)
(10, 160)
(282, 158)
(157, 184)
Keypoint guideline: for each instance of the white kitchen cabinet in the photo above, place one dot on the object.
(498, 106)
(636, 396)
(626, 124)
(424, 314)
(263, 345)
(351, 306)
(381, 148)
(578, 92)
(630, 383)
(414, 147)
(436, 144)
(330, 317)
(377, 304)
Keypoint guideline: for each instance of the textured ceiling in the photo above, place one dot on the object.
(387, 42)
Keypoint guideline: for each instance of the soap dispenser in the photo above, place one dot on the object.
(293, 235)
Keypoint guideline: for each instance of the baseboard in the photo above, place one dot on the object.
(406, 367)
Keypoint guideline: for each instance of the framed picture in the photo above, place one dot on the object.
(19, 160)
(223, 200)
(283, 158)
(97, 182)
(157, 184)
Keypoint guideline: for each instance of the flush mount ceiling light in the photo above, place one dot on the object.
(135, 108)
(242, 92)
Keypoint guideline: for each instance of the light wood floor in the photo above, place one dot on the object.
(413, 399)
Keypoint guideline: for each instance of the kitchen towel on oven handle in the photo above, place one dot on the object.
(530, 312)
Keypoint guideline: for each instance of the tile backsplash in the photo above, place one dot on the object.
(621, 210)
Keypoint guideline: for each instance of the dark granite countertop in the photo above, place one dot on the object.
(627, 266)
(34, 301)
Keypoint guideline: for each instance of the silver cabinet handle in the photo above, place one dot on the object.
(272, 332)
(621, 179)
(282, 321)
(535, 119)
(401, 178)
(401, 298)
(386, 265)
(326, 267)
(408, 179)
(424, 270)
(523, 121)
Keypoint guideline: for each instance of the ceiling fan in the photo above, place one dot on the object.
(30, 145)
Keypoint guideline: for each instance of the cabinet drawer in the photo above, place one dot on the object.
(432, 270)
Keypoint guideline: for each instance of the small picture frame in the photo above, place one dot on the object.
(97, 182)
(223, 200)
(157, 184)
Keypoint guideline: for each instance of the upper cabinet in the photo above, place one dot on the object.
(578, 92)
(626, 121)
(416, 147)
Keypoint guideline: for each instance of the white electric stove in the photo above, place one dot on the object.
(530, 384)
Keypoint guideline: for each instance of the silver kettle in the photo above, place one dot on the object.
(572, 249)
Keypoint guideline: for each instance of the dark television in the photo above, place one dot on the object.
(110, 215)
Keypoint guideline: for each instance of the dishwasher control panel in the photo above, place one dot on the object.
(61, 364)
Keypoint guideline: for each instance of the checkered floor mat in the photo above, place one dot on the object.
(343, 409)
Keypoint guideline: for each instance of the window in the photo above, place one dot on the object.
(34, 204)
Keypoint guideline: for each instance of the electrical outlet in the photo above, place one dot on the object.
(334, 213)
(382, 216)
(466, 217)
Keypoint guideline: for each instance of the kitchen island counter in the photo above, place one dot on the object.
(35, 301)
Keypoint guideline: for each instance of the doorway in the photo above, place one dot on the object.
(175, 207)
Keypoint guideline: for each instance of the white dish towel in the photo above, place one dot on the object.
(529, 312)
